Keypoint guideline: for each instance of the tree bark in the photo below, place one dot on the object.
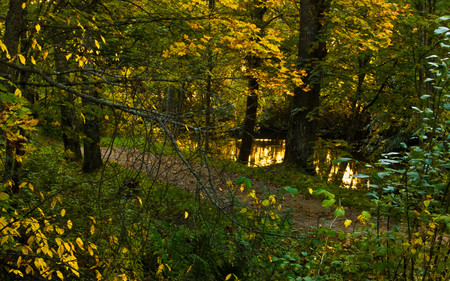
(92, 153)
(253, 62)
(250, 113)
(311, 50)
(70, 135)
(15, 27)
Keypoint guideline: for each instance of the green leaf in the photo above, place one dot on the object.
(441, 29)
(324, 192)
(366, 215)
(240, 180)
(444, 18)
(4, 196)
(328, 203)
(291, 190)
(339, 160)
(339, 212)
(361, 176)
(248, 183)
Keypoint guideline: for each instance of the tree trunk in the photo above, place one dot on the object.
(302, 130)
(253, 62)
(91, 128)
(250, 118)
(68, 114)
(15, 27)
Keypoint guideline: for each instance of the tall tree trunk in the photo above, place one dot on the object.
(253, 62)
(92, 153)
(302, 130)
(15, 27)
(250, 112)
(70, 135)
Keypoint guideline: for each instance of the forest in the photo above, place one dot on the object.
(224, 140)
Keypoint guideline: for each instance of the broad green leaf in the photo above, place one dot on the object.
(339, 212)
(328, 203)
(441, 29)
(291, 190)
(240, 180)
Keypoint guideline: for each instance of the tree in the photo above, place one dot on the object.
(70, 130)
(257, 11)
(15, 29)
(311, 50)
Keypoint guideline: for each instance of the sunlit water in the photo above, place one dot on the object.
(267, 152)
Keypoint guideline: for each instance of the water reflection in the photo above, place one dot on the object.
(266, 152)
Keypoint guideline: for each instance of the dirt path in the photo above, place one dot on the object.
(306, 212)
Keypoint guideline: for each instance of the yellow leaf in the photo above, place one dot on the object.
(33, 61)
(160, 268)
(29, 269)
(22, 184)
(186, 214)
(124, 250)
(18, 93)
(58, 241)
(60, 231)
(347, 223)
(69, 224)
(68, 56)
(189, 269)
(31, 186)
(139, 200)
(106, 117)
(60, 275)
(63, 212)
(228, 277)
(103, 39)
(45, 55)
(24, 5)
(98, 275)
(168, 267)
(38, 27)
(97, 44)
(92, 229)
(80, 243)
(310, 191)
(53, 204)
(84, 118)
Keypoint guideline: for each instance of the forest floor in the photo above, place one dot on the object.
(306, 212)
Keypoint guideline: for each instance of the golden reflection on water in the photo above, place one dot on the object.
(267, 152)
